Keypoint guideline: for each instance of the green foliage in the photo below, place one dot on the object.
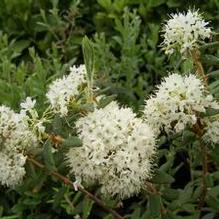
(88, 54)
(41, 39)
(27, 78)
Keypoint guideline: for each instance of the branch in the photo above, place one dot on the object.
(204, 174)
(198, 129)
(195, 54)
(81, 189)
(151, 188)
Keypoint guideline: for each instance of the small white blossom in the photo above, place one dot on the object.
(211, 130)
(63, 91)
(176, 103)
(31, 118)
(28, 104)
(15, 139)
(14, 131)
(40, 127)
(12, 169)
(184, 31)
(117, 151)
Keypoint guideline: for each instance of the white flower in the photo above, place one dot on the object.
(176, 103)
(211, 130)
(14, 131)
(29, 115)
(12, 169)
(184, 31)
(117, 151)
(40, 127)
(28, 104)
(63, 91)
(15, 139)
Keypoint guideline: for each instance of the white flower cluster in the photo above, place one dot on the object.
(184, 31)
(15, 140)
(30, 115)
(177, 103)
(117, 151)
(211, 130)
(63, 91)
(12, 168)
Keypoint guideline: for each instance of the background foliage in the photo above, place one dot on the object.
(40, 39)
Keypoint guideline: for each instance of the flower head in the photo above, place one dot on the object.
(32, 118)
(63, 91)
(14, 131)
(117, 151)
(184, 31)
(211, 128)
(12, 168)
(15, 140)
(176, 103)
(28, 104)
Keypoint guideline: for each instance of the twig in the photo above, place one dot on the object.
(195, 54)
(151, 188)
(198, 129)
(69, 182)
(204, 174)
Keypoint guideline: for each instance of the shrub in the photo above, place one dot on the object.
(99, 131)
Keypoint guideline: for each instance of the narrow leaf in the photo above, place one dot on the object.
(88, 53)
(72, 141)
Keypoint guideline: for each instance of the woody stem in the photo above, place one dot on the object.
(80, 188)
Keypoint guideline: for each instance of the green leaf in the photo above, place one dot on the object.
(87, 107)
(57, 124)
(210, 60)
(155, 206)
(48, 156)
(170, 194)
(169, 215)
(209, 181)
(214, 191)
(72, 141)
(58, 197)
(107, 4)
(104, 101)
(20, 45)
(119, 5)
(1, 210)
(187, 65)
(173, 3)
(87, 206)
(185, 195)
(136, 213)
(190, 208)
(209, 216)
(10, 217)
(214, 155)
(88, 53)
(213, 202)
(155, 3)
(214, 74)
(162, 177)
(213, 45)
(214, 88)
(215, 175)
(213, 85)
(211, 112)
